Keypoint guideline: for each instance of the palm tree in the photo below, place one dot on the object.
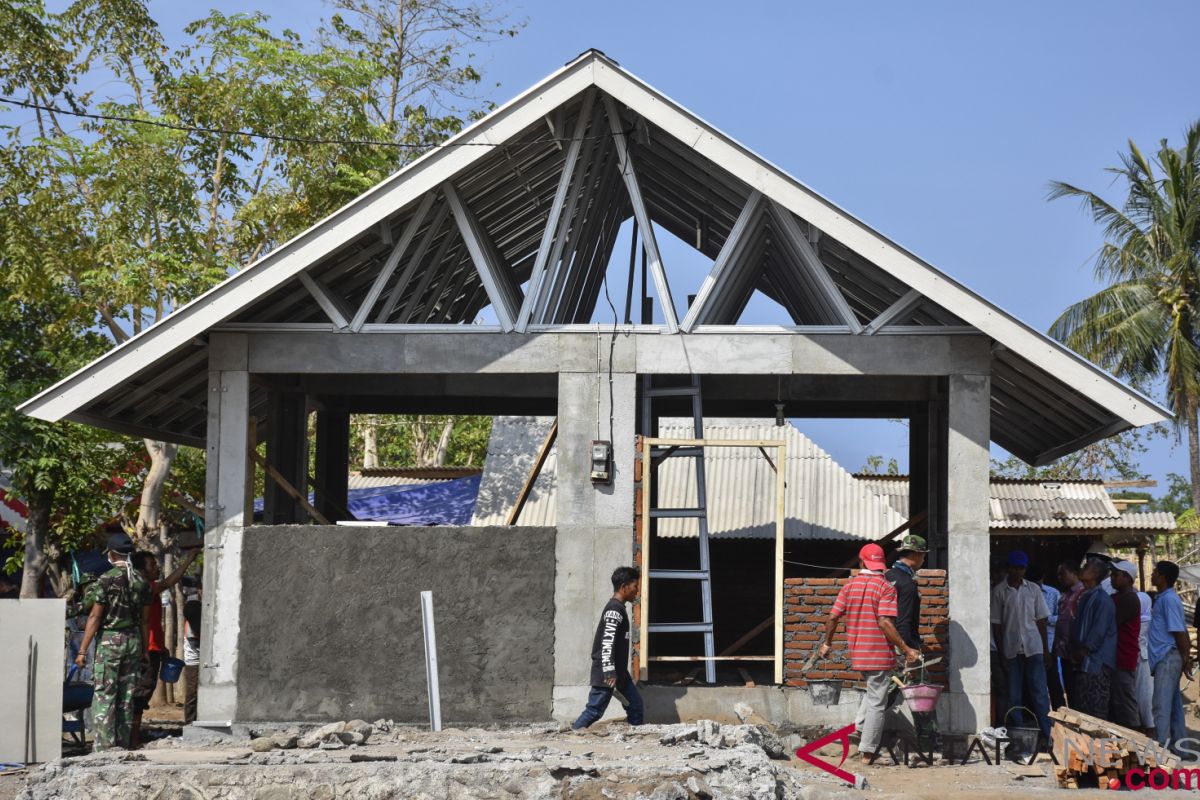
(1145, 325)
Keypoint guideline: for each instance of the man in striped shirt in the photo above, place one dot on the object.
(868, 602)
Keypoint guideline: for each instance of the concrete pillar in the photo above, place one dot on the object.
(595, 523)
(967, 506)
(333, 463)
(225, 504)
(287, 451)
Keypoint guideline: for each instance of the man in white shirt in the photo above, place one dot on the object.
(1019, 617)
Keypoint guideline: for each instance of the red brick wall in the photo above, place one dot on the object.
(806, 604)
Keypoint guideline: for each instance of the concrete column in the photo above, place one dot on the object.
(225, 504)
(967, 505)
(333, 463)
(287, 451)
(595, 523)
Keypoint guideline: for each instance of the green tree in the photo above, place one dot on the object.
(875, 466)
(1145, 324)
(415, 440)
(119, 221)
(1116, 457)
(70, 476)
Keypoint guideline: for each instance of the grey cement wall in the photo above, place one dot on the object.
(331, 623)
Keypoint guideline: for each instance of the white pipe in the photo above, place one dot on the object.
(431, 670)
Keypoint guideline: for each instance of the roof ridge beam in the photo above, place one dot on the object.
(726, 260)
(334, 307)
(642, 215)
(393, 259)
(493, 272)
(906, 304)
(552, 222)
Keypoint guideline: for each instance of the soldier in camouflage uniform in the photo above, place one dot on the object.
(118, 601)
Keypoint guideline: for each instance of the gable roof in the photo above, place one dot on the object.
(471, 219)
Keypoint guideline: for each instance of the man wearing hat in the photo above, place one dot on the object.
(1019, 617)
(118, 601)
(1123, 696)
(868, 602)
(902, 576)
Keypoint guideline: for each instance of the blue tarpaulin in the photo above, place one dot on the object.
(441, 503)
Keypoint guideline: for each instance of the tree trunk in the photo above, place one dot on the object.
(1194, 452)
(162, 455)
(37, 533)
(370, 444)
(443, 445)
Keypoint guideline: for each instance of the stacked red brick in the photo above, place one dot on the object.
(806, 604)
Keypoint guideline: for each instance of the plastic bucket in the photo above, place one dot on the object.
(76, 694)
(172, 668)
(825, 693)
(921, 697)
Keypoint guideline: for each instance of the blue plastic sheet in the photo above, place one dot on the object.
(441, 503)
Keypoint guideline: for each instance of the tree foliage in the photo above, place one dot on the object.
(1115, 458)
(413, 440)
(110, 224)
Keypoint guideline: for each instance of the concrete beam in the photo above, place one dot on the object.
(967, 490)
(775, 354)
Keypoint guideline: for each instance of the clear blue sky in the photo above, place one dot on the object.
(938, 123)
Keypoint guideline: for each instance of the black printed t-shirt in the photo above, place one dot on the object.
(610, 648)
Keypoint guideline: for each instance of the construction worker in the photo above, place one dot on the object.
(118, 616)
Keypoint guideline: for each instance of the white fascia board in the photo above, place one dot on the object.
(285, 262)
(738, 160)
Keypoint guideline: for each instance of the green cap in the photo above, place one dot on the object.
(913, 544)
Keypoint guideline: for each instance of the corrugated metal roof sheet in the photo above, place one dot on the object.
(823, 500)
(381, 479)
(512, 449)
(1031, 504)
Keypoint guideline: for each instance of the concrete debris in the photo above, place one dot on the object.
(744, 711)
(701, 761)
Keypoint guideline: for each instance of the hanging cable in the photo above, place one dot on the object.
(278, 137)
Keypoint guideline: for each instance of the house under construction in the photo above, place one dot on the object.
(514, 222)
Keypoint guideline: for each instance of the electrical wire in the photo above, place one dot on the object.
(818, 566)
(278, 137)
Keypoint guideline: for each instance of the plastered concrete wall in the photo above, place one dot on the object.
(331, 623)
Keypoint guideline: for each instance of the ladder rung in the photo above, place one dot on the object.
(673, 513)
(680, 574)
(672, 391)
(679, 627)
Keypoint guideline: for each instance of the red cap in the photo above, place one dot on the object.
(872, 556)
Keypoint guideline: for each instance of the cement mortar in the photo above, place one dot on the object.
(330, 624)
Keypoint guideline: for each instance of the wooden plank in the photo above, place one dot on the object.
(291, 490)
(644, 595)
(543, 452)
(745, 676)
(780, 505)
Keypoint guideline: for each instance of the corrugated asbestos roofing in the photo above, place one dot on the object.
(1040, 505)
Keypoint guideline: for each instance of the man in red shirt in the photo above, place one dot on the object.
(156, 648)
(868, 602)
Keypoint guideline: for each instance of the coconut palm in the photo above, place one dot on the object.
(1145, 325)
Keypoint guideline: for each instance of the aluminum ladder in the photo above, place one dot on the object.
(700, 513)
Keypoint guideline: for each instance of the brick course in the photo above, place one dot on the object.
(806, 608)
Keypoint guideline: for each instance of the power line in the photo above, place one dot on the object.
(278, 137)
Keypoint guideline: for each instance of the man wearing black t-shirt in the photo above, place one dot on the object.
(902, 575)
(610, 654)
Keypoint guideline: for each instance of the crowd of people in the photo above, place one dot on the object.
(1094, 644)
(125, 622)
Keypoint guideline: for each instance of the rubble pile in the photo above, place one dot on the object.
(380, 760)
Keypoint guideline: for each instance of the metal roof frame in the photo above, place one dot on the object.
(819, 262)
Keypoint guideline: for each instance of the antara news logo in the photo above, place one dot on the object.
(1102, 752)
(1105, 752)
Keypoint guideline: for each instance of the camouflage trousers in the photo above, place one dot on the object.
(118, 665)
